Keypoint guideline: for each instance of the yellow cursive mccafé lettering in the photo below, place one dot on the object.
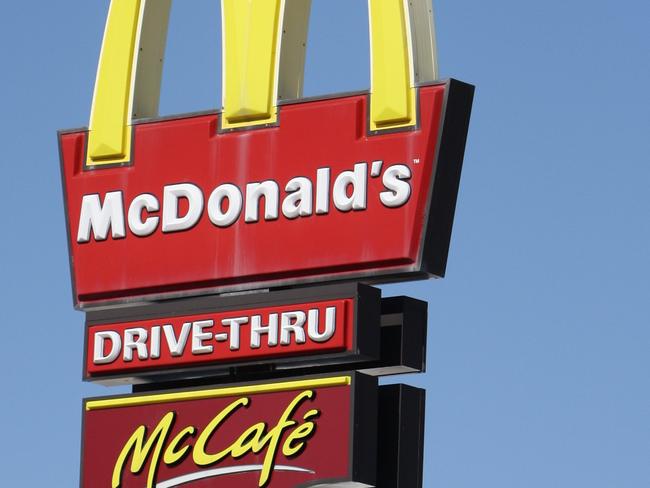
(255, 439)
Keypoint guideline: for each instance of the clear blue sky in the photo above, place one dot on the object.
(539, 337)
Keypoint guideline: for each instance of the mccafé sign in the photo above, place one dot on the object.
(276, 435)
(271, 190)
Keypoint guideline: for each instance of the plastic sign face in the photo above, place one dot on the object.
(280, 435)
(334, 325)
(263, 193)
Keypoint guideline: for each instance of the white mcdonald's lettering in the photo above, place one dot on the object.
(275, 329)
(227, 202)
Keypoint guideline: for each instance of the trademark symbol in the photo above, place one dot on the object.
(416, 161)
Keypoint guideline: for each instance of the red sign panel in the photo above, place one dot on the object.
(221, 337)
(316, 198)
(280, 435)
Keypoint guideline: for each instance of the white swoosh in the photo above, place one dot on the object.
(223, 471)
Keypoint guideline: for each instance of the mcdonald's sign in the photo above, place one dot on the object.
(274, 189)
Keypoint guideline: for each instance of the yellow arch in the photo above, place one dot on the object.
(109, 141)
(263, 50)
(251, 48)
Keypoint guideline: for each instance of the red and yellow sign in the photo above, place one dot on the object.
(270, 191)
(278, 435)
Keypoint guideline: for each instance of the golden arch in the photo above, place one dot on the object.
(264, 44)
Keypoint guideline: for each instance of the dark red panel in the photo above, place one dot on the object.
(301, 433)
